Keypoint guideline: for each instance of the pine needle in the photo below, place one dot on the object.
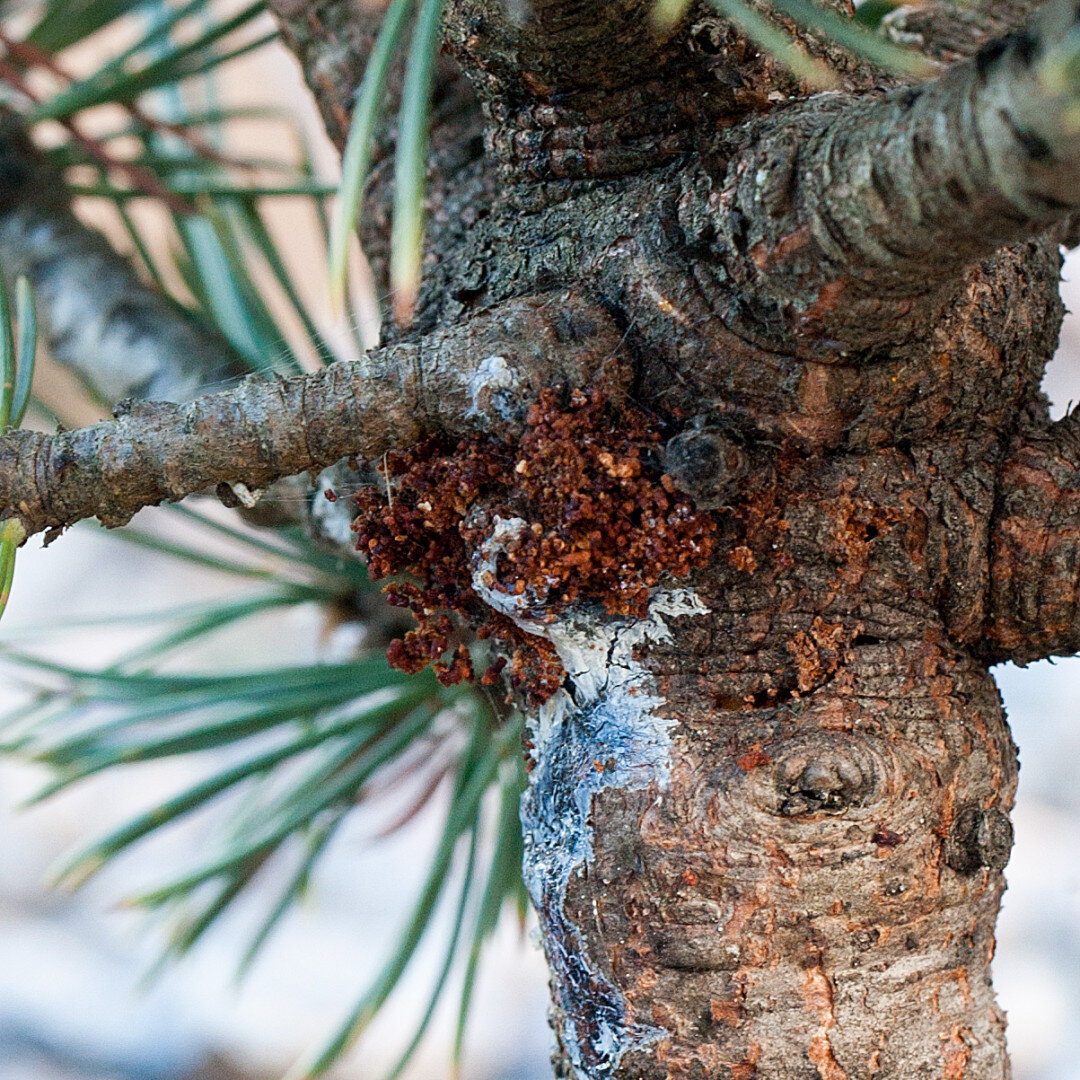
(357, 157)
(410, 165)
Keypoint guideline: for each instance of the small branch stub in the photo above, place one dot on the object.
(707, 464)
(979, 838)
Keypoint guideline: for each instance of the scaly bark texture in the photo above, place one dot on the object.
(768, 819)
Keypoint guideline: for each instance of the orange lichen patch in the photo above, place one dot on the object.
(820, 1052)
(960, 976)
(817, 995)
(726, 1012)
(706, 1059)
(873, 1066)
(598, 522)
(753, 760)
(763, 256)
(956, 1054)
(819, 653)
(829, 297)
(742, 558)
(747, 1068)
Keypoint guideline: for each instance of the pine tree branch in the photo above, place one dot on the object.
(480, 375)
(1034, 600)
(837, 214)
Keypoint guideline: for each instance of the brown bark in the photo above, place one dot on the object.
(791, 862)
(767, 822)
(1034, 608)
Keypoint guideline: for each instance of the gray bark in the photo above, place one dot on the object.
(121, 337)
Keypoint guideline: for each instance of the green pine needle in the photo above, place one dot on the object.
(474, 781)
(315, 843)
(450, 956)
(12, 534)
(116, 82)
(504, 879)
(357, 157)
(7, 359)
(769, 37)
(16, 376)
(410, 163)
(667, 14)
(855, 37)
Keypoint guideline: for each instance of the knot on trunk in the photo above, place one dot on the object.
(829, 783)
(979, 838)
(706, 463)
(829, 780)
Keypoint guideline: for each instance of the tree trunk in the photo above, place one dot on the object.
(768, 818)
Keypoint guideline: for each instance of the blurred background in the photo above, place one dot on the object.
(75, 1003)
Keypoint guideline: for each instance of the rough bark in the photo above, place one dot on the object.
(840, 219)
(767, 821)
(948, 32)
(1034, 608)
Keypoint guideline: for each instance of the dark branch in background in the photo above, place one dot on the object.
(142, 179)
(482, 375)
(1034, 609)
(947, 31)
(31, 56)
(120, 336)
(836, 213)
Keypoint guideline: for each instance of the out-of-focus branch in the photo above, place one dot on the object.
(480, 375)
(120, 336)
(948, 31)
(834, 214)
